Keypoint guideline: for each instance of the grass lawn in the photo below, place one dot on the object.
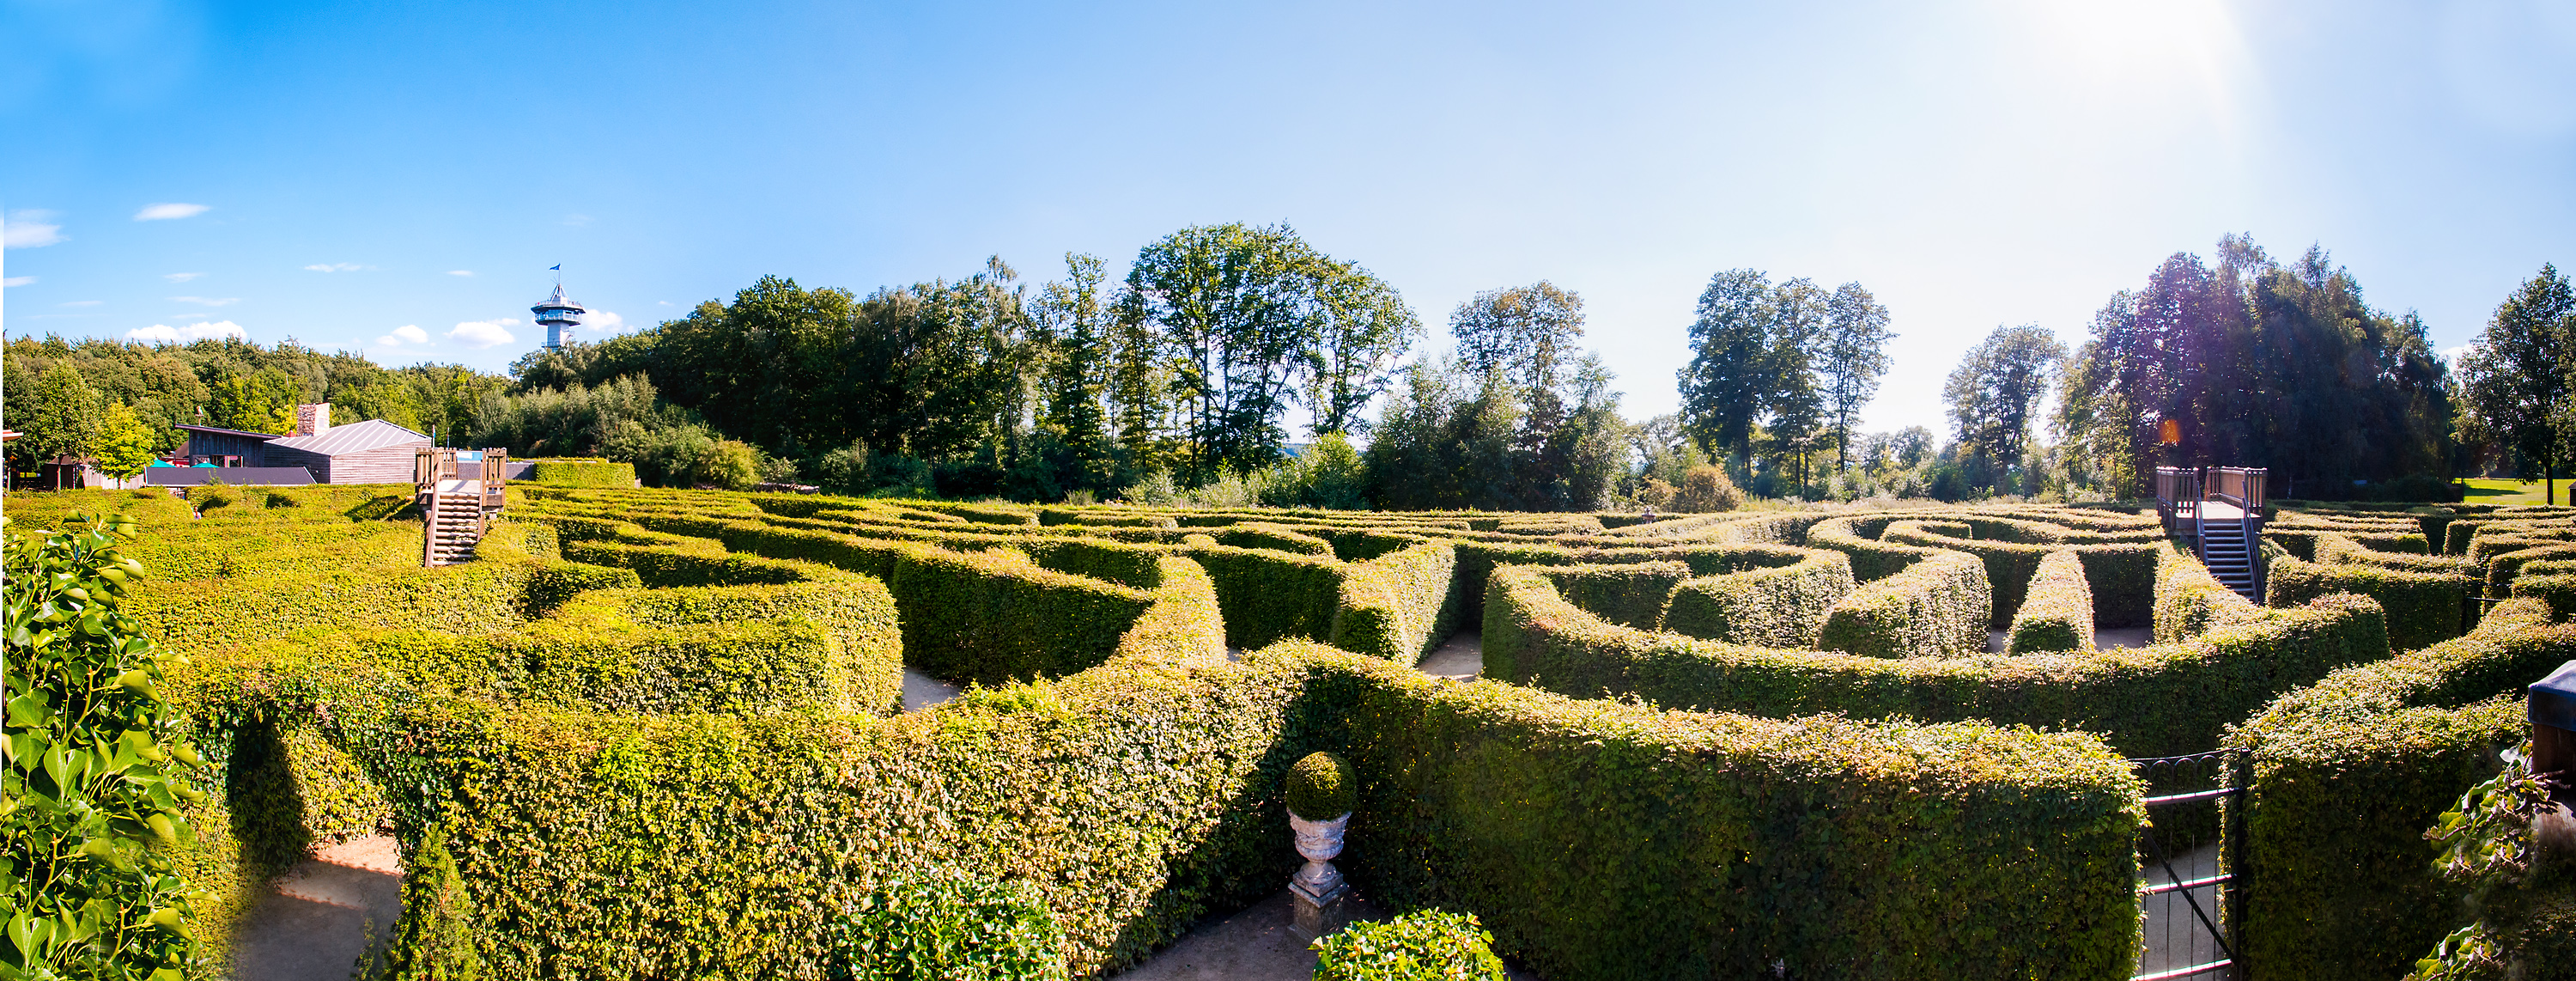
(2492, 491)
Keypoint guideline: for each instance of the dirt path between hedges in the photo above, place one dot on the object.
(316, 919)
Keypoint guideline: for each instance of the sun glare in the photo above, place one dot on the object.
(2141, 44)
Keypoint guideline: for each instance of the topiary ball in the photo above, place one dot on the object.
(1321, 788)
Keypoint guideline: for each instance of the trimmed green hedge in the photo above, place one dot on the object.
(1937, 607)
(2120, 572)
(673, 793)
(1784, 606)
(2555, 591)
(2345, 776)
(2058, 613)
(2423, 607)
(1600, 839)
(1400, 605)
(2164, 700)
(580, 473)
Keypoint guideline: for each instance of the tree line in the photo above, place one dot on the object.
(1239, 363)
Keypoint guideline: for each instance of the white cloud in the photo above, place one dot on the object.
(460, 272)
(405, 334)
(336, 267)
(663, 302)
(207, 301)
(576, 220)
(602, 322)
(17, 281)
(79, 303)
(180, 277)
(190, 332)
(165, 212)
(29, 229)
(482, 333)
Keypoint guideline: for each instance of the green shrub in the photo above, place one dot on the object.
(2423, 607)
(2118, 570)
(946, 925)
(1937, 607)
(1707, 489)
(1320, 787)
(1588, 835)
(1776, 607)
(1400, 605)
(2557, 591)
(581, 473)
(2156, 701)
(2346, 773)
(95, 780)
(1424, 945)
(2058, 613)
(208, 497)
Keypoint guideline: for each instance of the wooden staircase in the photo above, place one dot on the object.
(2225, 551)
(2220, 510)
(453, 522)
(460, 491)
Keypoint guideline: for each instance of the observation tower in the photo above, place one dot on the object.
(558, 315)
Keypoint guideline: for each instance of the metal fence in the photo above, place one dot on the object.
(2190, 891)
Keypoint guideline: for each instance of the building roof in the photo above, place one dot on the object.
(356, 437)
(220, 431)
(236, 476)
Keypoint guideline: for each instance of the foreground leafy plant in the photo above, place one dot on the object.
(1427, 944)
(94, 782)
(946, 925)
(2487, 845)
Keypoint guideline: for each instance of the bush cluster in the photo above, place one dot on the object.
(571, 472)
(2345, 774)
(652, 733)
(2057, 613)
(1424, 945)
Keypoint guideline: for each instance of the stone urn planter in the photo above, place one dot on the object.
(1318, 891)
(1321, 783)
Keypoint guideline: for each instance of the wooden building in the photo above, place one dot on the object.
(223, 447)
(370, 452)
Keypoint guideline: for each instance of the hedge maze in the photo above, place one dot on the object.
(660, 733)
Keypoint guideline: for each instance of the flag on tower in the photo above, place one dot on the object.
(558, 267)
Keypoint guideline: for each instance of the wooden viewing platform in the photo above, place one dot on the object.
(2220, 509)
(459, 493)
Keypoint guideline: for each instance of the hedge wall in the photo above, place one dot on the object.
(2120, 572)
(2163, 700)
(1599, 839)
(2345, 776)
(2058, 613)
(2423, 607)
(1776, 607)
(1937, 607)
(581, 473)
(657, 782)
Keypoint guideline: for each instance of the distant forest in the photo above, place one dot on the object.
(1237, 364)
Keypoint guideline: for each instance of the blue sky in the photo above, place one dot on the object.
(338, 172)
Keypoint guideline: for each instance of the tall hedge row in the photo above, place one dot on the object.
(581, 473)
(2346, 774)
(2057, 614)
(1598, 839)
(1936, 607)
(2164, 700)
(1784, 606)
(2423, 607)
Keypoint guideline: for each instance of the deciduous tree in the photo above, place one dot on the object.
(2520, 376)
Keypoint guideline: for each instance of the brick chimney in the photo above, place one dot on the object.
(313, 419)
